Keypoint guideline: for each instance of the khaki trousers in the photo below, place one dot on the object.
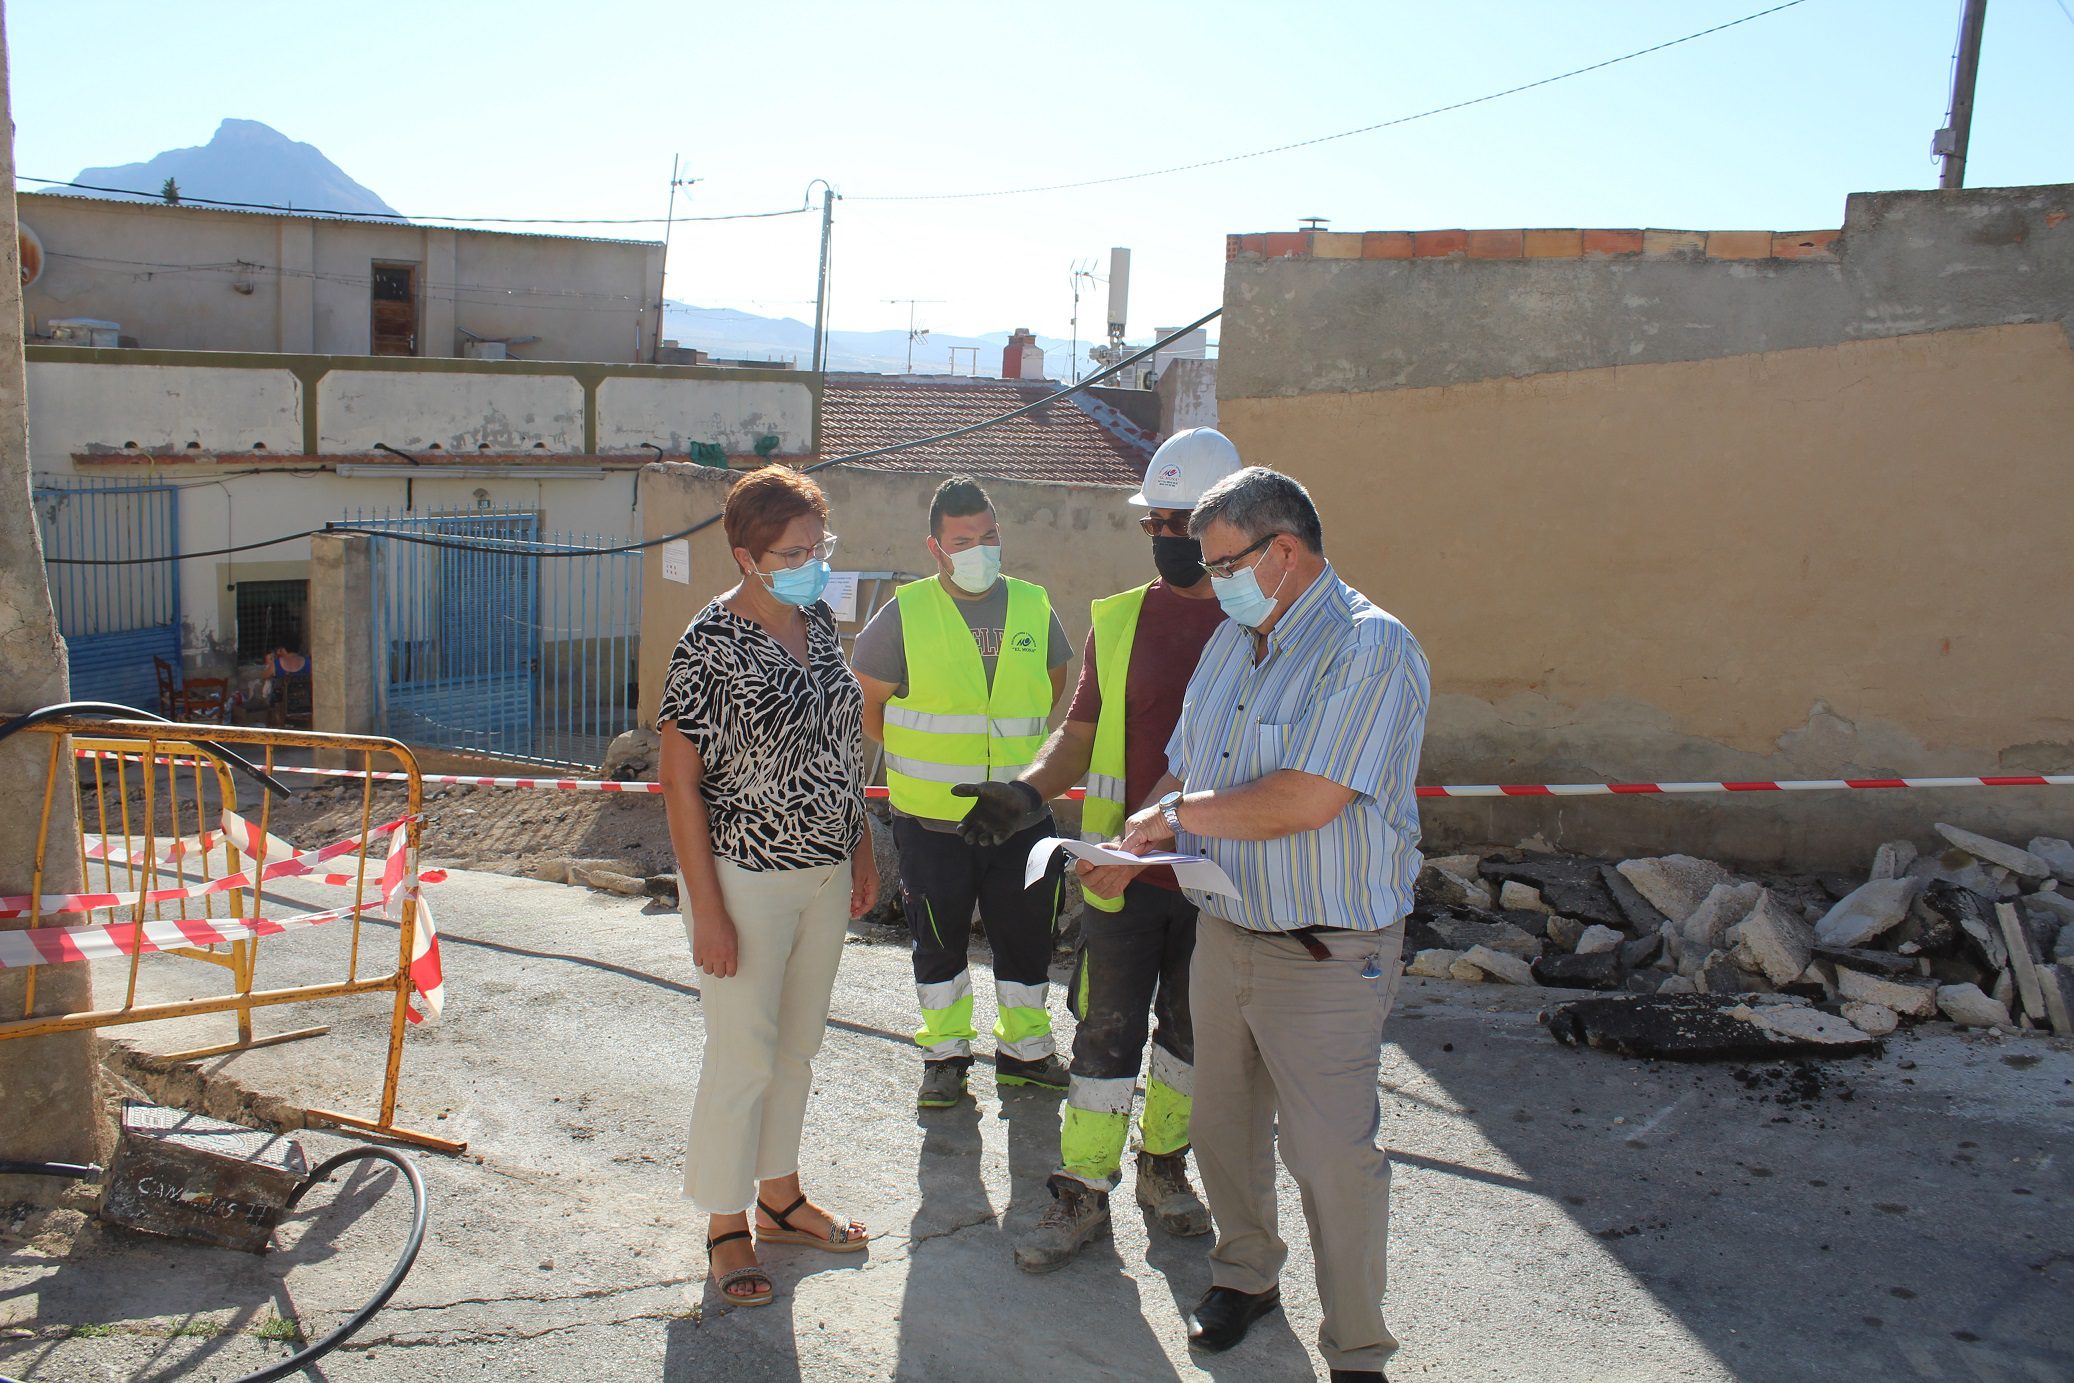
(763, 1025)
(1289, 1045)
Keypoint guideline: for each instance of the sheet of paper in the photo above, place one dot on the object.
(677, 562)
(841, 595)
(1193, 871)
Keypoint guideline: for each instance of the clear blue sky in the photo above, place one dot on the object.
(534, 109)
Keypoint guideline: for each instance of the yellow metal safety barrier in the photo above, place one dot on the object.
(154, 885)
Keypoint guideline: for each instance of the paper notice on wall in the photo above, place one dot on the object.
(677, 561)
(841, 595)
(1191, 871)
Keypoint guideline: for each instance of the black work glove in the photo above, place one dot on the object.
(1001, 809)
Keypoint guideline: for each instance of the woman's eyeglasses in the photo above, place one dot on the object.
(1174, 525)
(800, 556)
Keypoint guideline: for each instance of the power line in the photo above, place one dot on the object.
(399, 217)
(1343, 134)
(705, 523)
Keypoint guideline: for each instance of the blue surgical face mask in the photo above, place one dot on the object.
(1242, 599)
(800, 585)
(976, 568)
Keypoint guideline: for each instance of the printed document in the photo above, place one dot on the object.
(1193, 871)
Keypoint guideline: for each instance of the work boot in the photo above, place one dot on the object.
(943, 1083)
(1077, 1214)
(1164, 1190)
(1045, 1073)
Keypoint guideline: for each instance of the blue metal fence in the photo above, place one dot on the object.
(488, 642)
(115, 619)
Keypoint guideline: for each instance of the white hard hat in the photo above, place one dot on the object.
(1186, 465)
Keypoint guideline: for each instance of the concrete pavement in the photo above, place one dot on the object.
(1558, 1214)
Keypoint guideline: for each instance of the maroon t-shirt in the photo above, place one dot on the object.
(1172, 629)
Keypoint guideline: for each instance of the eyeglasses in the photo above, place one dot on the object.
(1154, 524)
(1224, 568)
(794, 557)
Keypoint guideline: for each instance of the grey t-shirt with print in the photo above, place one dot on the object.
(881, 649)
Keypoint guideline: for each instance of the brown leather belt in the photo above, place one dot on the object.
(1307, 937)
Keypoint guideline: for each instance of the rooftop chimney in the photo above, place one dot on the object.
(1021, 359)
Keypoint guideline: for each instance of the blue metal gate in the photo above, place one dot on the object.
(494, 639)
(115, 619)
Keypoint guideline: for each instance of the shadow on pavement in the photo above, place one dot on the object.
(1879, 1217)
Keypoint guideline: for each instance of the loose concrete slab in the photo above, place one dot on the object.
(1556, 1214)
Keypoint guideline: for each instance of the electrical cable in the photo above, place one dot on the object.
(309, 1354)
(1328, 138)
(398, 217)
(346, 1329)
(491, 544)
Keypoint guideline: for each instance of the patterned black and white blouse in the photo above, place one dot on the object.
(782, 744)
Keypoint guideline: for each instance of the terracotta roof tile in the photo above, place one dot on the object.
(1063, 442)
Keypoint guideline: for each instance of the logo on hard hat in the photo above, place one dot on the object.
(1170, 475)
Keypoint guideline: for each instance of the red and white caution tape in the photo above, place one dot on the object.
(399, 880)
(57, 945)
(291, 865)
(2027, 780)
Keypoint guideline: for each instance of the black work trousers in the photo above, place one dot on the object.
(941, 880)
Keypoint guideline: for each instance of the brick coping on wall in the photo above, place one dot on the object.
(1534, 244)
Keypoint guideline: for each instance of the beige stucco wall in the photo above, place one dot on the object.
(1079, 542)
(1841, 561)
(190, 278)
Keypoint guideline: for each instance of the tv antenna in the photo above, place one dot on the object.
(914, 333)
(1083, 272)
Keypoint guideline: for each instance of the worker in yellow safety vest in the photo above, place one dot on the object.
(960, 672)
(1134, 949)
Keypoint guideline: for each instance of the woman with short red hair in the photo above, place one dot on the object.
(762, 773)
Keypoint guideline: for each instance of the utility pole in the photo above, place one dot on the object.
(662, 289)
(821, 286)
(1951, 141)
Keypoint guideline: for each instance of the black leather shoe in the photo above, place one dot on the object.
(1358, 1376)
(1220, 1319)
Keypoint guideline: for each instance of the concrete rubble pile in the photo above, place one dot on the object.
(1973, 931)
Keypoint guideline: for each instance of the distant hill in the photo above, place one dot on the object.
(737, 335)
(246, 162)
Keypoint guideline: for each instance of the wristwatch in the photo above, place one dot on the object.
(1170, 808)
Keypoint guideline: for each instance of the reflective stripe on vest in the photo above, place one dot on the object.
(1103, 813)
(951, 727)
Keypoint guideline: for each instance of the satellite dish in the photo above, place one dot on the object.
(31, 252)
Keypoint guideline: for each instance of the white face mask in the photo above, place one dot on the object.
(976, 568)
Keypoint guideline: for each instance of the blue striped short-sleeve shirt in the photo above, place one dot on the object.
(1341, 693)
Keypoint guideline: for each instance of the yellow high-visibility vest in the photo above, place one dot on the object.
(950, 728)
(1103, 813)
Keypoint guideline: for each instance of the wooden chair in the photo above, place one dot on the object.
(296, 705)
(168, 685)
(205, 698)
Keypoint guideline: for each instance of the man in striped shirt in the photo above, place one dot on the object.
(1293, 767)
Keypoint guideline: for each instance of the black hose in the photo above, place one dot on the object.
(115, 710)
(78, 1171)
(310, 1354)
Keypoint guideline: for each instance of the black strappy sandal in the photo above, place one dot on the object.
(729, 1279)
(844, 1236)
